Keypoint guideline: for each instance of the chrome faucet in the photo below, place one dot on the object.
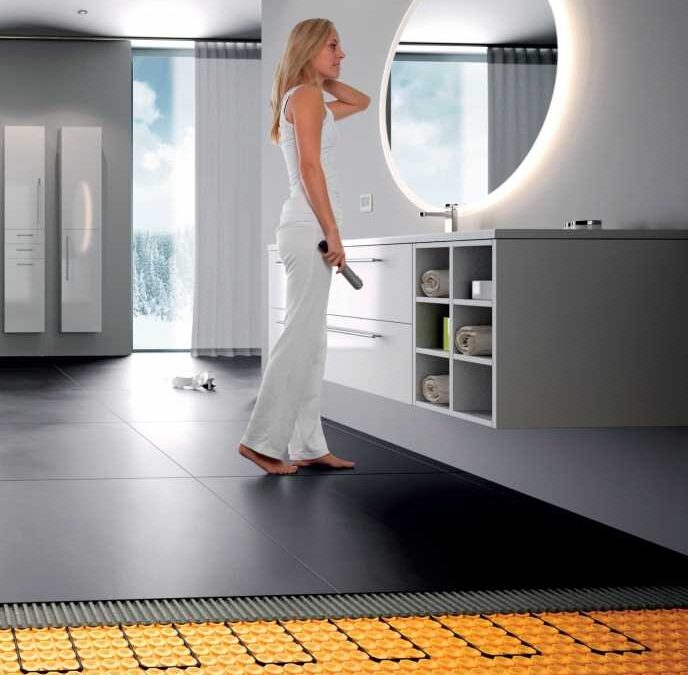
(452, 211)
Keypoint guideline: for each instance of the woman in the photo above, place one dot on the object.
(285, 423)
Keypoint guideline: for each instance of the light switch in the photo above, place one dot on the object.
(366, 203)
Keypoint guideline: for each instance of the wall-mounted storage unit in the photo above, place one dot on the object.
(587, 327)
(80, 151)
(24, 222)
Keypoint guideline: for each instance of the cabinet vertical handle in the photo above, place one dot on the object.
(67, 258)
(38, 203)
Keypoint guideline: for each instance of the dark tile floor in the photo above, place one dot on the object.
(114, 485)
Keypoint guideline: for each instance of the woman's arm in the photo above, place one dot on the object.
(306, 104)
(349, 100)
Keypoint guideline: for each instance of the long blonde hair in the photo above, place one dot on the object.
(305, 41)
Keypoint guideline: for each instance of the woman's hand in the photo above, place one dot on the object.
(335, 251)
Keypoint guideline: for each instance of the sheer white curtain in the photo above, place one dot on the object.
(226, 320)
(520, 82)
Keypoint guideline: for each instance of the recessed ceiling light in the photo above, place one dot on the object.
(82, 11)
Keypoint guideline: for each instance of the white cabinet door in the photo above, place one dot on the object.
(81, 280)
(80, 177)
(24, 220)
(80, 225)
(24, 296)
(24, 177)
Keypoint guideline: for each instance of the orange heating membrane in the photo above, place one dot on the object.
(629, 642)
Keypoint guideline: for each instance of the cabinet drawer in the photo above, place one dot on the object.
(24, 251)
(24, 236)
(277, 281)
(386, 295)
(380, 365)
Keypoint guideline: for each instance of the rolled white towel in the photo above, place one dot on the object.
(474, 340)
(435, 283)
(436, 388)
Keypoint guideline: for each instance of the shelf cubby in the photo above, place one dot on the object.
(429, 325)
(472, 389)
(430, 365)
(431, 257)
(470, 315)
(470, 262)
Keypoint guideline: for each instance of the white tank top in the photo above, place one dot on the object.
(296, 207)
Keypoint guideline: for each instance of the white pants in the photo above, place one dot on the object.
(286, 418)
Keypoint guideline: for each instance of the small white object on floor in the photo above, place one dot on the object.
(201, 382)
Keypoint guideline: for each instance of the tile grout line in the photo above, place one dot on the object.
(211, 491)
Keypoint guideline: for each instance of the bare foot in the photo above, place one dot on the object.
(268, 464)
(327, 460)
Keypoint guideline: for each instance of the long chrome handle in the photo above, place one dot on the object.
(67, 258)
(348, 260)
(357, 333)
(38, 203)
(25, 249)
(25, 235)
(24, 264)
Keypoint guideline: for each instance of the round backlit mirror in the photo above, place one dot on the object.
(468, 89)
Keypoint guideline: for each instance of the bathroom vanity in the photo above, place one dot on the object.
(589, 328)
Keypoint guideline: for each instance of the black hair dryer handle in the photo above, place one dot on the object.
(345, 270)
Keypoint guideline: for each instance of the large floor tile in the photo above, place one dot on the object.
(52, 406)
(68, 450)
(179, 405)
(351, 550)
(468, 535)
(37, 378)
(145, 538)
(210, 449)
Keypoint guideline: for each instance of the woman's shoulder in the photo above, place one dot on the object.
(307, 92)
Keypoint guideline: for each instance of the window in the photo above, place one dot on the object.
(163, 198)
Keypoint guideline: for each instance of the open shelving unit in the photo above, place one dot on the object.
(471, 378)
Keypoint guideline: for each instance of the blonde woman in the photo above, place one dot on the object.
(285, 429)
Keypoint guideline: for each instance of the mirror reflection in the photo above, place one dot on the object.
(469, 88)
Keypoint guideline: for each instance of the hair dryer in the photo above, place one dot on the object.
(348, 273)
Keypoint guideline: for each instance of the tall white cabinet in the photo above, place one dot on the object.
(24, 222)
(80, 228)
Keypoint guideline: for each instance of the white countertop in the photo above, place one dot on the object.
(516, 233)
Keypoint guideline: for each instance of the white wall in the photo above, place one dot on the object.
(620, 153)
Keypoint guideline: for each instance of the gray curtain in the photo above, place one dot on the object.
(520, 85)
(226, 312)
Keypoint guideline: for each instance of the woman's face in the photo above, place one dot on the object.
(327, 61)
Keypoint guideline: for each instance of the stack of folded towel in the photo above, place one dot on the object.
(474, 340)
(435, 283)
(436, 388)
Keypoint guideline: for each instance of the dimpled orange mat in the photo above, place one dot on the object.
(629, 642)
